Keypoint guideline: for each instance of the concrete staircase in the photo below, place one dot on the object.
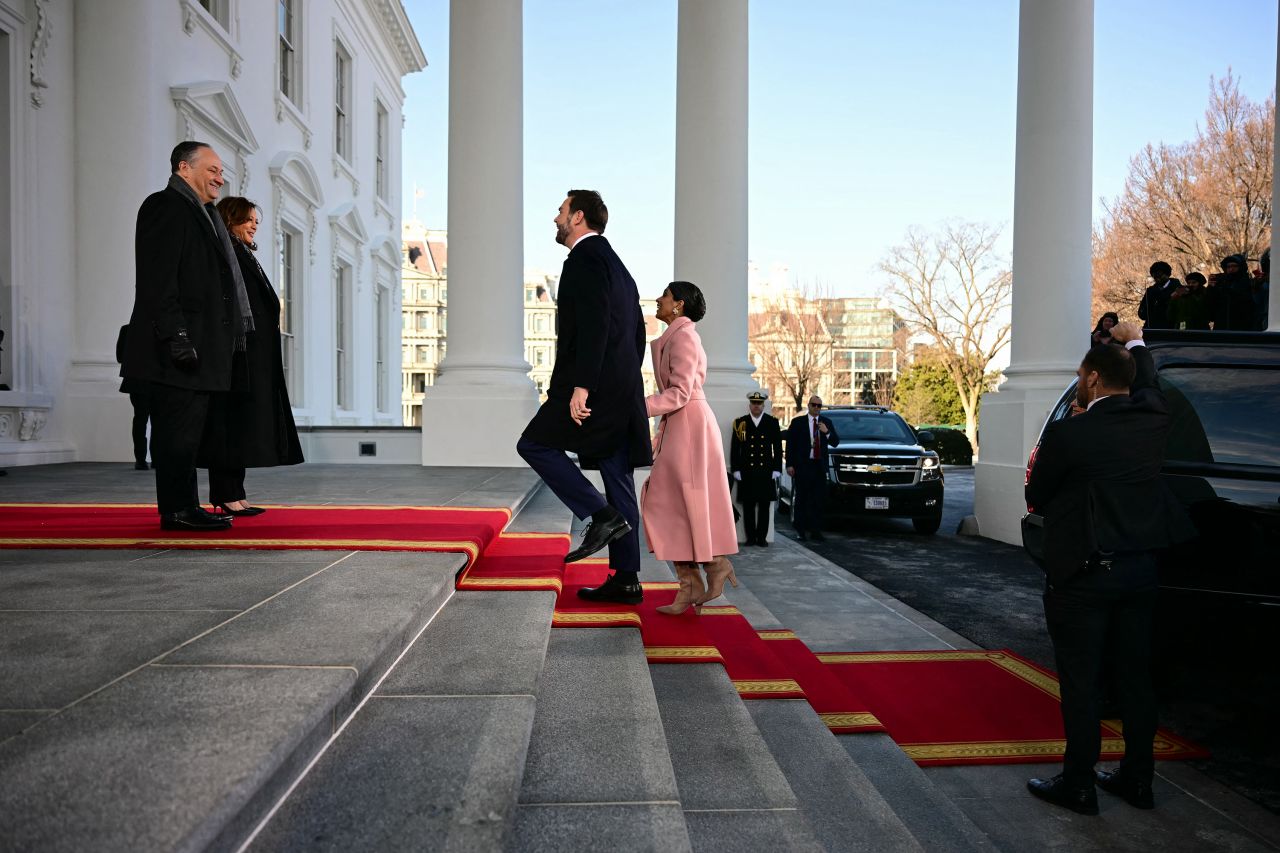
(569, 740)
(369, 706)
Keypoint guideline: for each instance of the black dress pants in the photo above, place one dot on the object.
(755, 519)
(226, 485)
(1092, 615)
(141, 414)
(177, 424)
(809, 495)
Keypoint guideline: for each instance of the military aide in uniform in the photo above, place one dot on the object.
(755, 457)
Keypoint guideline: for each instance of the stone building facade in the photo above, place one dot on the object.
(303, 102)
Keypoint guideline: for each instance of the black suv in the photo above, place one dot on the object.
(881, 467)
(1222, 461)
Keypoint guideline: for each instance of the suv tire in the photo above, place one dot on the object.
(928, 524)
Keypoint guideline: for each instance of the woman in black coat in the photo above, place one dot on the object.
(250, 428)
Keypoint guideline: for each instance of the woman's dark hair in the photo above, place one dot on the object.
(1195, 276)
(1115, 318)
(1161, 267)
(236, 210)
(695, 306)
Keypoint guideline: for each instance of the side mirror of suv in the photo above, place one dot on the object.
(925, 438)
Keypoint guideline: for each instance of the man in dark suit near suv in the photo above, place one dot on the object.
(809, 440)
(1096, 479)
(184, 327)
(595, 402)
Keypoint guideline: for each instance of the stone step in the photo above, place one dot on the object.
(241, 672)
(932, 817)
(733, 794)
(197, 744)
(435, 758)
(598, 774)
(844, 809)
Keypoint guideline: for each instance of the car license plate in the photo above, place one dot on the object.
(877, 503)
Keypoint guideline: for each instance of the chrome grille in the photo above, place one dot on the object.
(877, 471)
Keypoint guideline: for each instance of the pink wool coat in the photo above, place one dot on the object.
(685, 502)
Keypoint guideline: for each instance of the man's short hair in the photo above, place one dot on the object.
(589, 203)
(1113, 363)
(1195, 276)
(185, 152)
(1161, 268)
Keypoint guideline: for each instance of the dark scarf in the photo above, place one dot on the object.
(220, 229)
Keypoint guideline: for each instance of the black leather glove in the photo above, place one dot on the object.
(183, 352)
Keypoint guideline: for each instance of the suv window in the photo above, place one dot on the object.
(1223, 413)
(871, 426)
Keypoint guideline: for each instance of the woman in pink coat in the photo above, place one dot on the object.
(684, 504)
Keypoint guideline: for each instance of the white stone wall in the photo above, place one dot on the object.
(96, 95)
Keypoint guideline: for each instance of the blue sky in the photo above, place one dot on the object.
(866, 118)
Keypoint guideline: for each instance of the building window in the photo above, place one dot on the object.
(424, 321)
(287, 281)
(382, 153)
(288, 30)
(424, 293)
(217, 10)
(406, 355)
(380, 348)
(342, 102)
(422, 355)
(342, 329)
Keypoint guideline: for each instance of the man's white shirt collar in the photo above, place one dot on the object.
(583, 237)
(756, 420)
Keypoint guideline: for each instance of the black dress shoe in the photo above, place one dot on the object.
(141, 466)
(599, 533)
(247, 511)
(802, 536)
(614, 592)
(1133, 791)
(193, 519)
(763, 543)
(1058, 792)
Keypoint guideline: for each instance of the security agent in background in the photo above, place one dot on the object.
(755, 458)
(809, 440)
(1095, 478)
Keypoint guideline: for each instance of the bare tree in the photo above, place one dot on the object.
(1190, 204)
(953, 288)
(790, 344)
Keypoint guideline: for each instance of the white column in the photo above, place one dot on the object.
(711, 190)
(1052, 221)
(1273, 308)
(483, 398)
(122, 150)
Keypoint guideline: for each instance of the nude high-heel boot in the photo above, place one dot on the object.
(690, 588)
(717, 573)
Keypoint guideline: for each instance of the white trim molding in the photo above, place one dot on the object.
(212, 105)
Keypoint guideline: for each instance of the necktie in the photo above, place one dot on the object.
(815, 438)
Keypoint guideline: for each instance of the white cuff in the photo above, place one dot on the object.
(1135, 343)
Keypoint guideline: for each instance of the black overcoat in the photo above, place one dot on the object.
(600, 346)
(755, 452)
(183, 280)
(1096, 478)
(254, 429)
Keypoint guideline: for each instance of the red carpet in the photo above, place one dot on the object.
(973, 707)
(761, 665)
(365, 528)
(941, 707)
